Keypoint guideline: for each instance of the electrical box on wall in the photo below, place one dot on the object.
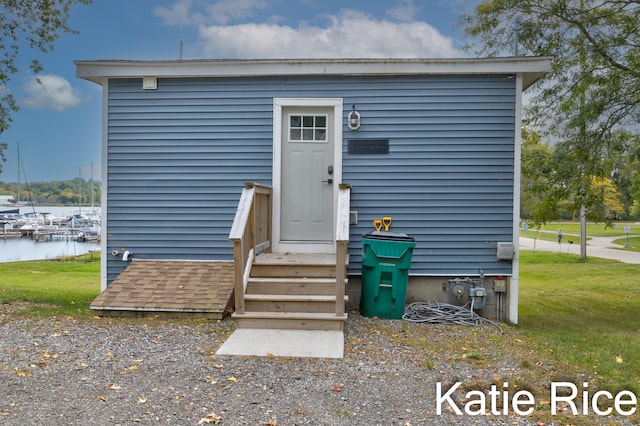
(500, 286)
(505, 251)
(353, 217)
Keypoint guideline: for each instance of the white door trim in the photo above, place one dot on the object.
(278, 105)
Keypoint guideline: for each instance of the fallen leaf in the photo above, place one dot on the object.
(619, 359)
(336, 389)
(22, 373)
(232, 379)
(133, 368)
(270, 423)
(46, 354)
(101, 398)
(212, 418)
(142, 400)
(116, 387)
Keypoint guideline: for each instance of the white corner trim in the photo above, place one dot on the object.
(512, 313)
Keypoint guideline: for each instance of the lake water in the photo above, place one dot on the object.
(19, 249)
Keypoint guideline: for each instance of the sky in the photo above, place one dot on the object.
(58, 127)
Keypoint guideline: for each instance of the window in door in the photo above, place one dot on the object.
(307, 128)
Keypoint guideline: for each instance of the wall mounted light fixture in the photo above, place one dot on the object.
(353, 119)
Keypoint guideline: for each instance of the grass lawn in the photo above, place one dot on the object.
(634, 242)
(585, 314)
(550, 236)
(594, 229)
(52, 288)
(571, 232)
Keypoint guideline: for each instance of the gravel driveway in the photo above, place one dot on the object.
(152, 371)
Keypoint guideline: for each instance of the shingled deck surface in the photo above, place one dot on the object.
(176, 287)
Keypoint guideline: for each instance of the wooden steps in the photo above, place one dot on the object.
(292, 291)
(291, 320)
(290, 303)
(270, 285)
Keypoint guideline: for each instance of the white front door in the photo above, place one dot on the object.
(307, 176)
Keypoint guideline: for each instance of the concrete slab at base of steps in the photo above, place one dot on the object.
(284, 343)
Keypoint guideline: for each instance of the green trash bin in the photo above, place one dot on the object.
(386, 259)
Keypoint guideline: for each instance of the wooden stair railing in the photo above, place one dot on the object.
(342, 240)
(250, 234)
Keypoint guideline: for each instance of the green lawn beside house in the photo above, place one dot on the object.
(584, 313)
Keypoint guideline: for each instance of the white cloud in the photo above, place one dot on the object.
(219, 13)
(350, 34)
(50, 92)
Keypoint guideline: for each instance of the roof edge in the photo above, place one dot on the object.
(532, 68)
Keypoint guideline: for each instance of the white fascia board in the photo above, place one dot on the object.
(531, 68)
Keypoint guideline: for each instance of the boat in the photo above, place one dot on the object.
(9, 212)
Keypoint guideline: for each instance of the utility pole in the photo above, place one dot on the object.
(583, 233)
(516, 35)
(583, 137)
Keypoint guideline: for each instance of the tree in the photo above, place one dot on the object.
(595, 44)
(35, 24)
(547, 191)
(537, 171)
(592, 91)
(630, 174)
(606, 188)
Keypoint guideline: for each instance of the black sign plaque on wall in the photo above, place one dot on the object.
(368, 146)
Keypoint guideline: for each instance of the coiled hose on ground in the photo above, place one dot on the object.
(444, 313)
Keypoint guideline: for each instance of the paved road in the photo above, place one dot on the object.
(596, 247)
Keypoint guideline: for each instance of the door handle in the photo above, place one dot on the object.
(329, 181)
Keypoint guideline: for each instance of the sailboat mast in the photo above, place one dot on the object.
(79, 190)
(93, 209)
(18, 176)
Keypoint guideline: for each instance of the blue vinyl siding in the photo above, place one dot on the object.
(448, 177)
(178, 157)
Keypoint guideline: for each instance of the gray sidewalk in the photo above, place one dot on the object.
(596, 247)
